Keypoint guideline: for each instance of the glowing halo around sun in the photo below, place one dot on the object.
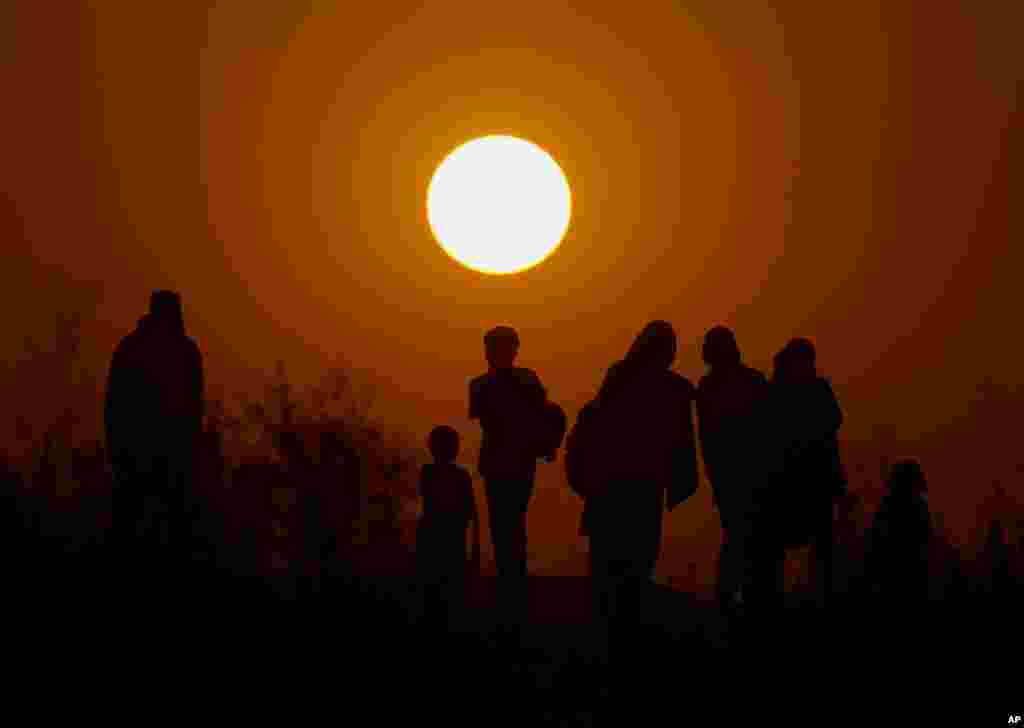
(499, 204)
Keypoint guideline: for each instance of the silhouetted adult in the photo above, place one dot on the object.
(804, 420)
(509, 402)
(644, 411)
(730, 402)
(153, 418)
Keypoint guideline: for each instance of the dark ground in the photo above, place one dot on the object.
(355, 648)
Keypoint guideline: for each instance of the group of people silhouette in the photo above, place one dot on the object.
(770, 450)
(769, 447)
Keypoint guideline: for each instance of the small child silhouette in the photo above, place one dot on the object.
(899, 536)
(448, 508)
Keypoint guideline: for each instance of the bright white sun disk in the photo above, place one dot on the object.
(499, 204)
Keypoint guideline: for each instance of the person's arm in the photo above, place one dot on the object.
(424, 489)
(706, 450)
(685, 475)
(113, 405)
(549, 457)
(542, 392)
(876, 543)
(196, 393)
(833, 419)
(538, 396)
(474, 399)
(538, 400)
(469, 502)
(474, 516)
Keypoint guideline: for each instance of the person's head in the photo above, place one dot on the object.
(796, 362)
(443, 443)
(501, 345)
(165, 310)
(655, 346)
(906, 478)
(720, 349)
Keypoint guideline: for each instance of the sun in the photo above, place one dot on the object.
(499, 204)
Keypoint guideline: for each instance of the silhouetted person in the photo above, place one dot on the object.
(730, 402)
(897, 554)
(448, 508)
(997, 512)
(153, 418)
(509, 402)
(999, 558)
(803, 419)
(648, 459)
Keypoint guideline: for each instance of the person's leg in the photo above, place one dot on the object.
(603, 542)
(610, 589)
(599, 577)
(752, 519)
(724, 576)
(729, 572)
(519, 502)
(643, 547)
(647, 537)
(602, 558)
(508, 501)
(160, 525)
(429, 578)
(767, 568)
(182, 531)
(454, 569)
(128, 547)
(497, 512)
(183, 519)
(457, 589)
(823, 552)
(433, 605)
(634, 642)
(626, 539)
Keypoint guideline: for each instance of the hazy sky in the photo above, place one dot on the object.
(840, 171)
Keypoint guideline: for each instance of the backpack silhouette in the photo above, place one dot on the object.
(552, 429)
(586, 452)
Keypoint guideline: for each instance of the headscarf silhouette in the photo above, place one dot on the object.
(795, 363)
(654, 347)
(643, 456)
(653, 350)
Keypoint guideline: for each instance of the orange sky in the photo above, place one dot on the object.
(839, 172)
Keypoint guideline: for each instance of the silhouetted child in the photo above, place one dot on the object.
(448, 508)
(898, 546)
